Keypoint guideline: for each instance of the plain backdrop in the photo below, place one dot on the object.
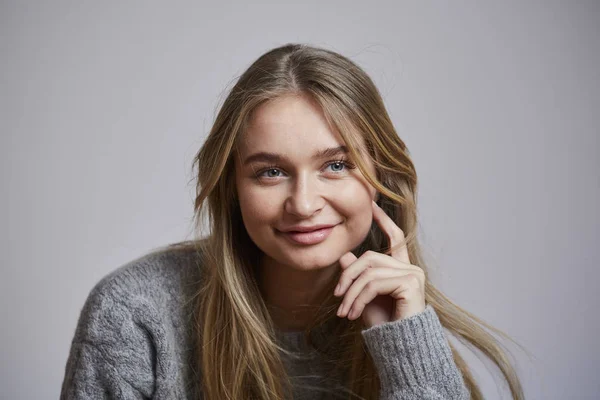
(104, 105)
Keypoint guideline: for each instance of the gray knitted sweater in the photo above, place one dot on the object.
(134, 341)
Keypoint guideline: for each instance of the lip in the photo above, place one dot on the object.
(299, 228)
(309, 237)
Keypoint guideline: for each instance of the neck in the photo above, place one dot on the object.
(293, 296)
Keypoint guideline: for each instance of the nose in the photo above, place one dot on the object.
(304, 199)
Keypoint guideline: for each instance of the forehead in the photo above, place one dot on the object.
(290, 124)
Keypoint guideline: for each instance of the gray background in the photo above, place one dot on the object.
(103, 106)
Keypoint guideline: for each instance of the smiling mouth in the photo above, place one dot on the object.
(308, 238)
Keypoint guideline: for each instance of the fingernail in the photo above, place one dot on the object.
(337, 289)
(339, 311)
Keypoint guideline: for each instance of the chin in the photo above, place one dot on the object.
(303, 258)
(310, 262)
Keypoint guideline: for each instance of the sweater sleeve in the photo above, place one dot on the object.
(112, 354)
(414, 360)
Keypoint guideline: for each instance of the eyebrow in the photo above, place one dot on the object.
(274, 157)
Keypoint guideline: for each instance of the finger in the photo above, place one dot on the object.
(399, 286)
(347, 259)
(393, 232)
(353, 267)
(365, 281)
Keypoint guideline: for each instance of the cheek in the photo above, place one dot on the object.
(360, 221)
(356, 197)
(257, 209)
(354, 202)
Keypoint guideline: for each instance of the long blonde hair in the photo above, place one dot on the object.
(237, 354)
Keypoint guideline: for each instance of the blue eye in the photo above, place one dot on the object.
(273, 171)
(268, 173)
(337, 166)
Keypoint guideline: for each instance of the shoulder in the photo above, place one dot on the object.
(162, 268)
(142, 291)
(133, 326)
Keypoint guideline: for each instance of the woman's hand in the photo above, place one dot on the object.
(379, 287)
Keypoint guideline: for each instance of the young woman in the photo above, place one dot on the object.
(309, 283)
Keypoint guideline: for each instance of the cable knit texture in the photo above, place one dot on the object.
(134, 340)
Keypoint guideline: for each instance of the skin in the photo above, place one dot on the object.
(299, 189)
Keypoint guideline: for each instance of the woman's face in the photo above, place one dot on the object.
(293, 174)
